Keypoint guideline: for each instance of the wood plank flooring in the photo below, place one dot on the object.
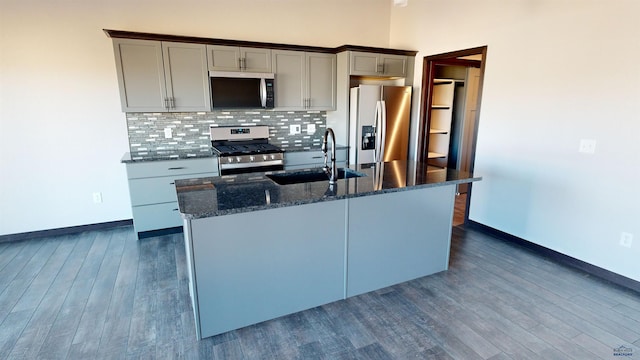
(105, 295)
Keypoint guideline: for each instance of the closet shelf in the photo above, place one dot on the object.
(435, 155)
(438, 131)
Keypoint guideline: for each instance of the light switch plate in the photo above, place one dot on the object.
(587, 146)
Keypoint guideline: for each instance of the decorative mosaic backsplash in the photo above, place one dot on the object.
(190, 131)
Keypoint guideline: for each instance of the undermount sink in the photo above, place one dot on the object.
(312, 175)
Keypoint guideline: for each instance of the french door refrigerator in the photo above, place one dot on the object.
(379, 118)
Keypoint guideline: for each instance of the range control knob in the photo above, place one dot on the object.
(251, 158)
(238, 158)
(230, 160)
(264, 157)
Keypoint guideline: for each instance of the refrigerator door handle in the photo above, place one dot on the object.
(381, 130)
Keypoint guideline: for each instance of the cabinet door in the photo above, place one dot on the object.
(256, 60)
(223, 58)
(185, 68)
(394, 65)
(362, 63)
(156, 216)
(140, 75)
(321, 81)
(372, 64)
(289, 69)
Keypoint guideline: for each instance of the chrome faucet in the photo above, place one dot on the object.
(333, 173)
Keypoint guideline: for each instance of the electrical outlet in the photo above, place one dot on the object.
(311, 129)
(168, 133)
(97, 197)
(295, 129)
(587, 146)
(626, 239)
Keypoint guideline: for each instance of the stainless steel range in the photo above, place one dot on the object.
(243, 149)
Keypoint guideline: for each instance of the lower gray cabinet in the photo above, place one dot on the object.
(154, 203)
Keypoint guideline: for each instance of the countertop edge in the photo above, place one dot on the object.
(324, 199)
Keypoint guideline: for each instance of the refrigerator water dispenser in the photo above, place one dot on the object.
(368, 138)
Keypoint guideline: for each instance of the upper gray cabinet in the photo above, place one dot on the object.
(304, 80)
(162, 76)
(374, 64)
(233, 58)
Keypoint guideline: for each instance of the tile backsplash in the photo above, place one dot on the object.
(190, 131)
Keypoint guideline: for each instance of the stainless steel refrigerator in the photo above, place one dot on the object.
(379, 123)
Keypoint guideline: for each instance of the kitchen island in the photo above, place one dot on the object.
(257, 250)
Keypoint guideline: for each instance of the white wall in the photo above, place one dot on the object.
(557, 71)
(63, 134)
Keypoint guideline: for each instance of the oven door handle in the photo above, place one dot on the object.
(250, 164)
(263, 92)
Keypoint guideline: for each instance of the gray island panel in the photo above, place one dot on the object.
(258, 250)
(397, 237)
(257, 266)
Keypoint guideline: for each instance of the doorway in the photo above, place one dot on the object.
(449, 114)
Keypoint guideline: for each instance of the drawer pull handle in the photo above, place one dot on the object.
(176, 168)
(172, 183)
(175, 209)
(318, 157)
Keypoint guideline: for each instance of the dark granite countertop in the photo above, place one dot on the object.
(231, 194)
(161, 155)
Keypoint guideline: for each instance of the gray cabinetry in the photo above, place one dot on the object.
(373, 64)
(321, 81)
(312, 158)
(233, 58)
(304, 80)
(154, 204)
(162, 76)
(248, 271)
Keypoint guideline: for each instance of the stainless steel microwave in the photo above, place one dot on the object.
(240, 90)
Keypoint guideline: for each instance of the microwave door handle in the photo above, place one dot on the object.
(263, 92)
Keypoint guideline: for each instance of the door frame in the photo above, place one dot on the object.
(429, 64)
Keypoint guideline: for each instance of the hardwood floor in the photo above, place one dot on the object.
(459, 208)
(105, 295)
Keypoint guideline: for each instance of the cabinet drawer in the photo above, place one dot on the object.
(303, 157)
(146, 191)
(154, 217)
(311, 158)
(172, 167)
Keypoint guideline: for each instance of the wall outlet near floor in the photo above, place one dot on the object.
(97, 197)
(626, 239)
(295, 129)
(587, 146)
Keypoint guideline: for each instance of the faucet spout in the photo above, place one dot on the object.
(333, 173)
